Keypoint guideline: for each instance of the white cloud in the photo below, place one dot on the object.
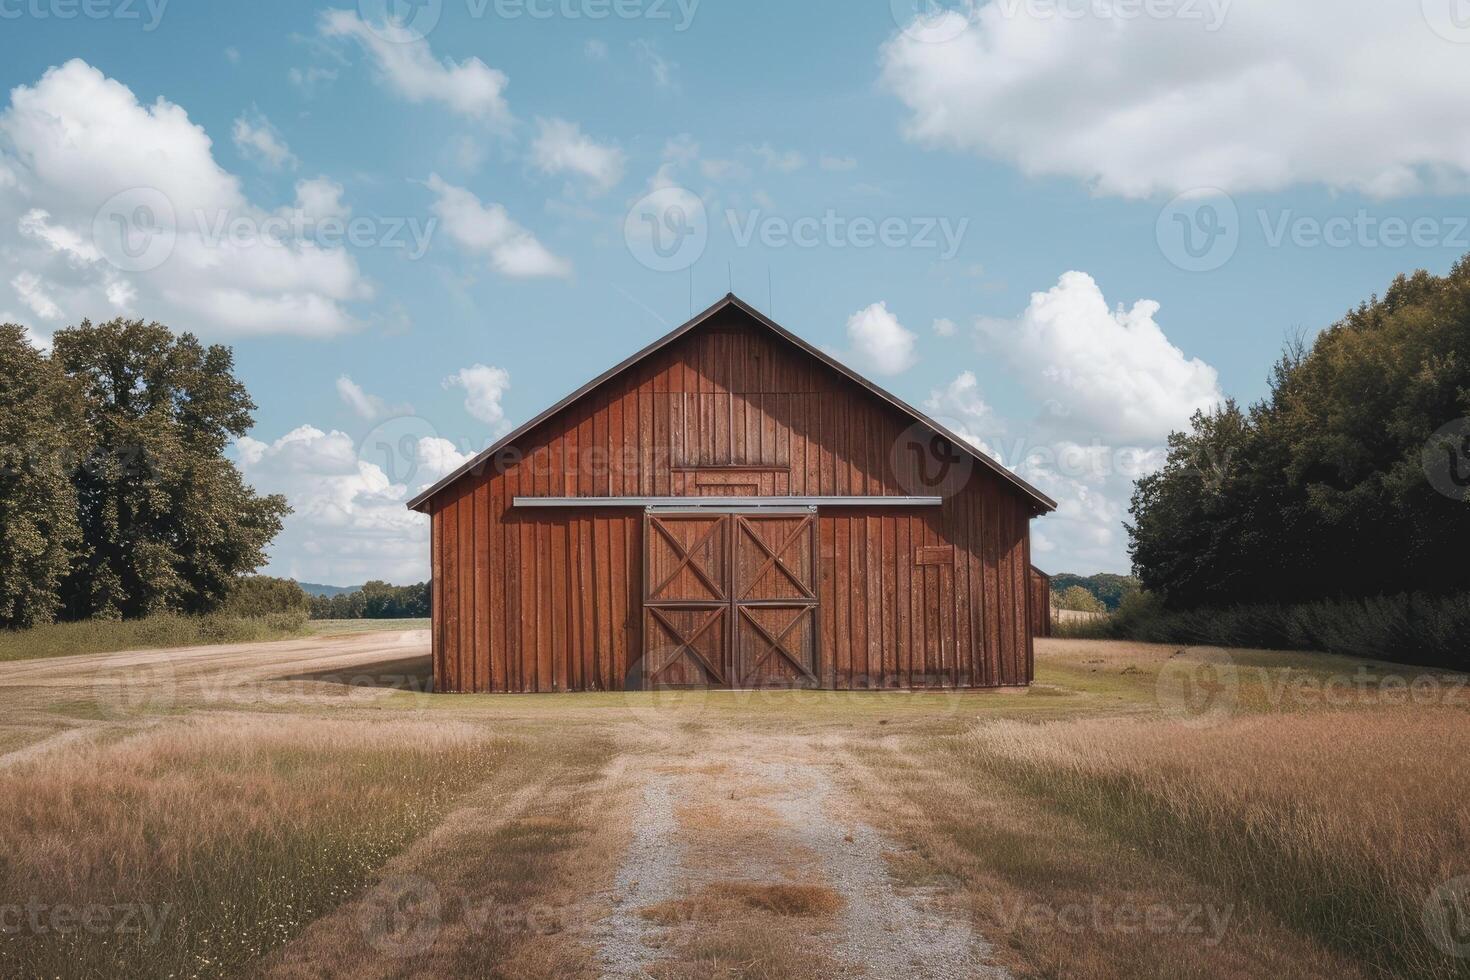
(561, 147)
(367, 406)
(782, 161)
(879, 343)
(663, 69)
(86, 160)
(959, 407)
(407, 65)
(721, 170)
(1105, 373)
(833, 164)
(320, 198)
(257, 139)
(33, 292)
(484, 388)
(310, 79)
(350, 522)
(1254, 95)
(488, 229)
(944, 327)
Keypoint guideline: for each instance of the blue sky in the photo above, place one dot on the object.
(1002, 145)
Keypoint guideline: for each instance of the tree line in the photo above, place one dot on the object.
(376, 600)
(116, 498)
(1350, 480)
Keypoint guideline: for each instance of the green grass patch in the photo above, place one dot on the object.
(150, 633)
(346, 627)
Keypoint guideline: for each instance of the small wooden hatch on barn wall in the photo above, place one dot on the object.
(731, 507)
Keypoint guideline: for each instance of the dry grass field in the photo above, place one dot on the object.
(304, 809)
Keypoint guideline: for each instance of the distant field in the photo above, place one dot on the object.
(339, 627)
(306, 809)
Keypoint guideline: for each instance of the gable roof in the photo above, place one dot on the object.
(1045, 503)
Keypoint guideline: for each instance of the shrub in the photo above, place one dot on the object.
(1411, 628)
(260, 595)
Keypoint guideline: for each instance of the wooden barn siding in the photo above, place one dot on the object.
(552, 601)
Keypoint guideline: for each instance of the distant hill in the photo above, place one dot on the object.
(327, 591)
(1109, 589)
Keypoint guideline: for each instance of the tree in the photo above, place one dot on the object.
(1079, 599)
(168, 522)
(41, 431)
(1326, 488)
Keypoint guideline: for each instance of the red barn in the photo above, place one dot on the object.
(730, 507)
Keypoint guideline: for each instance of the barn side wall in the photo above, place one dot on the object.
(528, 601)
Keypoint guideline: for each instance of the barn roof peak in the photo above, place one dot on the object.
(1045, 503)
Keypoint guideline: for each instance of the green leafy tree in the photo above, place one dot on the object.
(1078, 599)
(41, 431)
(1321, 491)
(168, 522)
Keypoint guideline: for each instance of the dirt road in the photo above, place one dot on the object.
(703, 842)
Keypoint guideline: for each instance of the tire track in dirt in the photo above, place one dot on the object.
(711, 821)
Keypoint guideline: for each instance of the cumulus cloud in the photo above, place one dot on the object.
(487, 229)
(320, 198)
(350, 522)
(1250, 95)
(944, 327)
(96, 181)
(879, 343)
(484, 388)
(406, 64)
(562, 148)
(960, 408)
(365, 405)
(257, 139)
(1112, 374)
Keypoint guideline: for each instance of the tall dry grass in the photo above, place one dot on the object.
(1341, 823)
(229, 835)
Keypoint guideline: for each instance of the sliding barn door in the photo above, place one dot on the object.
(686, 606)
(730, 600)
(774, 609)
